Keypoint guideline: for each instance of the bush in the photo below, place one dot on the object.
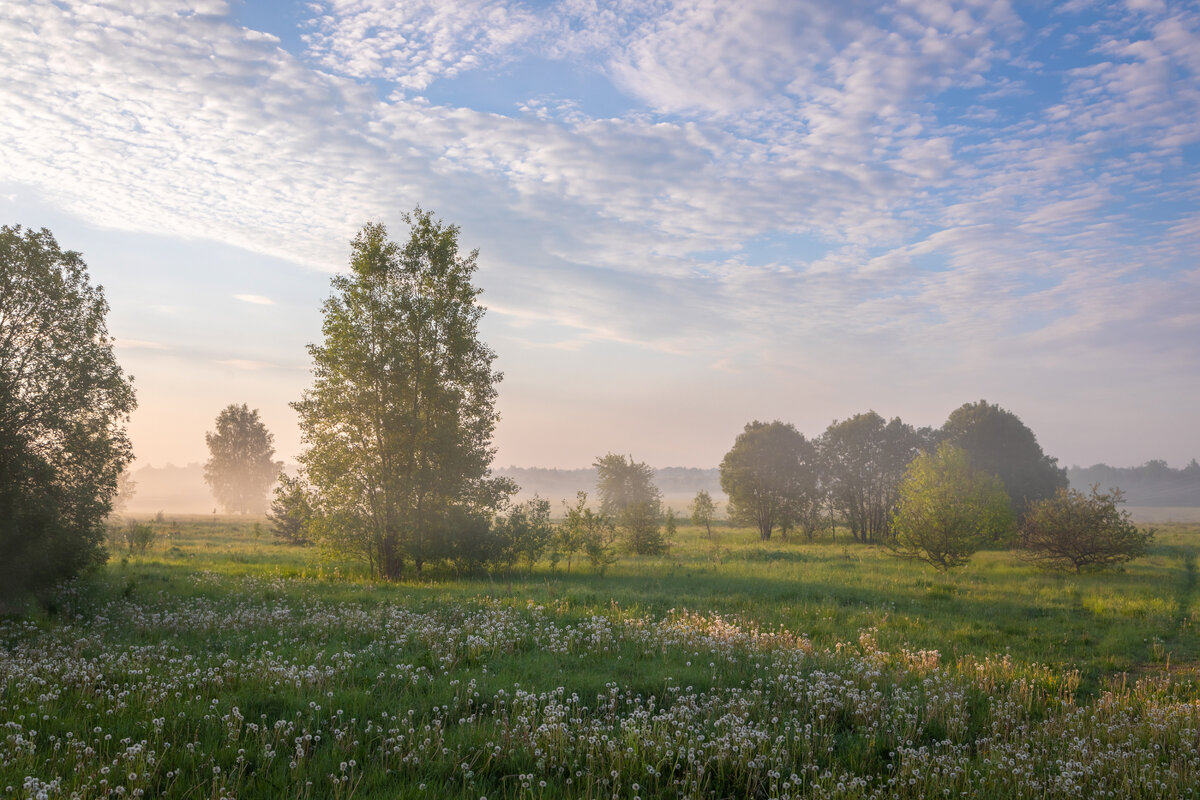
(948, 509)
(291, 512)
(136, 536)
(1077, 531)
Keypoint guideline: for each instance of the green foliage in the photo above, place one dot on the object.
(64, 402)
(587, 531)
(703, 510)
(525, 533)
(136, 536)
(1077, 531)
(864, 458)
(291, 512)
(999, 443)
(399, 420)
(948, 509)
(770, 475)
(628, 495)
(240, 468)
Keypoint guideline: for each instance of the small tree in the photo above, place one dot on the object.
(526, 532)
(703, 510)
(291, 512)
(948, 509)
(670, 526)
(628, 495)
(586, 530)
(1077, 531)
(240, 468)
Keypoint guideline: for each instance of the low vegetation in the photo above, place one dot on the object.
(223, 664)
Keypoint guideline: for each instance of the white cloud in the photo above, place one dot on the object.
(255, 299)
(811, 121)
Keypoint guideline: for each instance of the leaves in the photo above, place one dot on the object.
(64, 401)
(399, 420)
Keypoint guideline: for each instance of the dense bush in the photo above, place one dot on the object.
(1077, 531)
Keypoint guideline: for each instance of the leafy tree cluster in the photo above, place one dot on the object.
(855, 470)
(64, 402)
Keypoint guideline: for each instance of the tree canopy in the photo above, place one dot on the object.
(998, 442)
(1077, 531)
(64, 402)
(629, 497)
(770, 476)
(948, 509)
(864, 458)
(240, 468)
(398, 423)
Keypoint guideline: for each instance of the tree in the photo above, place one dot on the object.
(64, 403)
(628, 495)
(291, 512)
(864, 458)
(948, 509)
(525, 532)
(703, 510)
(1000, 443)
(240, 469)
(770, 476)
(399, 420)
(1077, 531)
(586, 530)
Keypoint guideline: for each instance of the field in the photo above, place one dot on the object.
(220, 664)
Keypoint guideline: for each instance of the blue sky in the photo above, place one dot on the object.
(690, 214)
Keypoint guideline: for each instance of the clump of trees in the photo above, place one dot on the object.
(64, 404)
(1075, 531)
(240, 468)
(948, 509)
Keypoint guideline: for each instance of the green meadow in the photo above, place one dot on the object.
(221, 664)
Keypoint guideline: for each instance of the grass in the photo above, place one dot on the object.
(731, 667)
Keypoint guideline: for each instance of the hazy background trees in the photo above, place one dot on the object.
(241, 466)
(64, 402)
(397, 426)
(770, 476)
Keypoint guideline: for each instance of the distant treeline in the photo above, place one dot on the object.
(558, 483)
(1152, 484)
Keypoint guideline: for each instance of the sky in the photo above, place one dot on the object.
(689, 214)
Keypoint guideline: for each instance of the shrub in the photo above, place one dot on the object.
(137, 536)
(1077, 531)
(948, 509)
(291, 512)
